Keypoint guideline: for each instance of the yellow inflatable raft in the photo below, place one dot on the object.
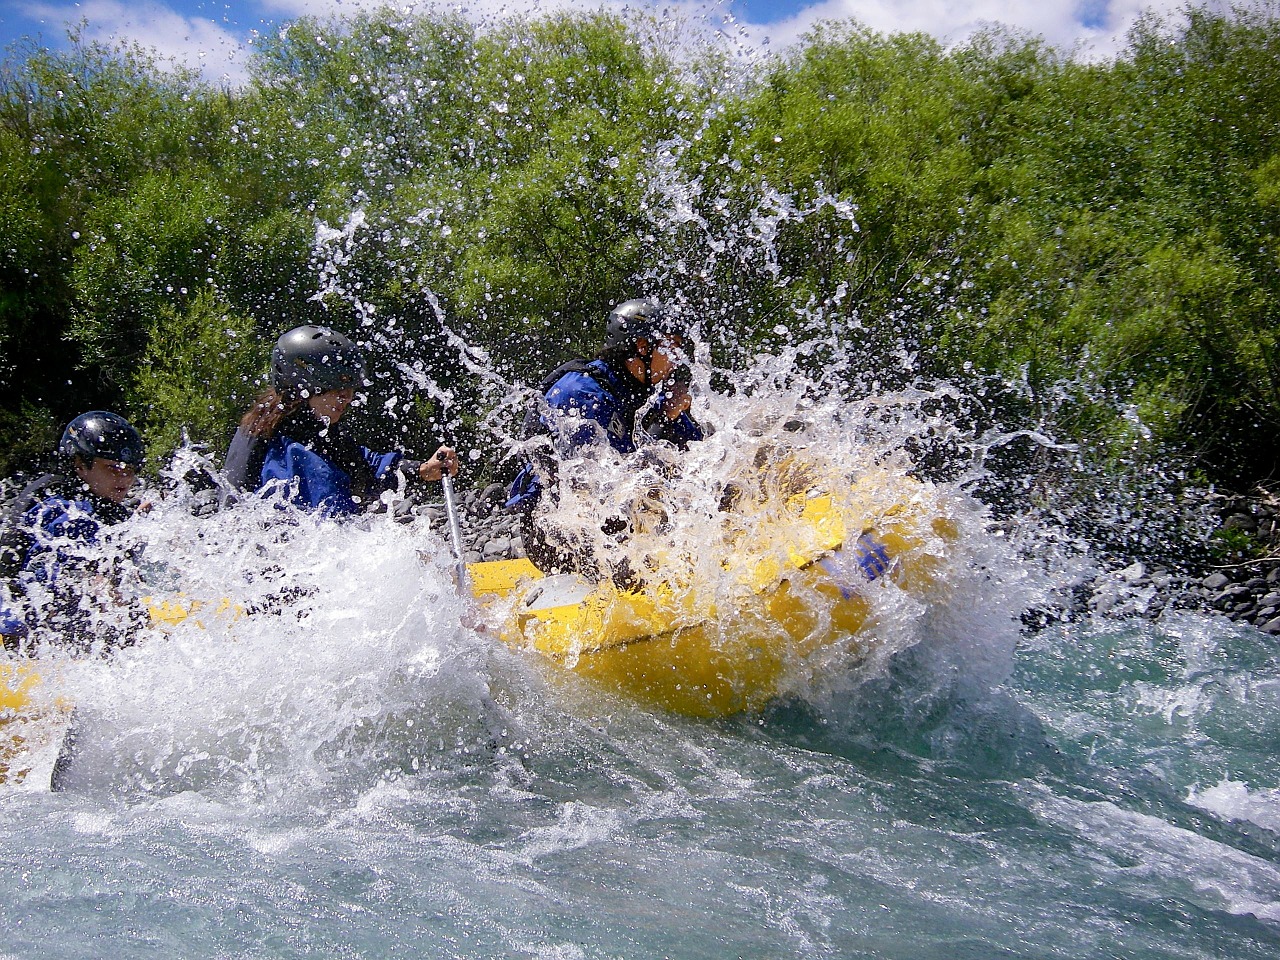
(35, 721)
(794, 585)
(793, 581)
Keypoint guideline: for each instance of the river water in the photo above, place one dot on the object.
(352, 769)
(356, 773)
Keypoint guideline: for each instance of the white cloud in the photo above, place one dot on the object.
(1094, 28)
(193, 42)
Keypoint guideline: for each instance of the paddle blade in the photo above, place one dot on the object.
(35, 749)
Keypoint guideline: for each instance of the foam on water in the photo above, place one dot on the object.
(338, 637)
(916, 813)
(1148, 852)
(1234, 800)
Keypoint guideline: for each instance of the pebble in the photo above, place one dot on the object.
(1240, 521)
(1133, 573)
(1249, 593)
(496, 549)
(1233, 592)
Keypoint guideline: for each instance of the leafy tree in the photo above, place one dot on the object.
(199, 372)
(1091, 246)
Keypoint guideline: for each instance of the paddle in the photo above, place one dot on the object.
(455, 530)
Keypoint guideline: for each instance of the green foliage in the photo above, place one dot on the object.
(201, 370)
(1101, 237)
(1231, 545)
(574, 109)
(151, 248)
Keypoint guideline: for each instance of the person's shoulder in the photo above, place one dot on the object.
(40, 488)
(47, 494)
(577, 385)
(21, 518)
(62, 515)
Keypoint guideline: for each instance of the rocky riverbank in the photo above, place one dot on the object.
(1246, 591)
(1243, 584)
(488, 531)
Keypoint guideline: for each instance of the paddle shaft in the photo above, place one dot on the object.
(455, 529)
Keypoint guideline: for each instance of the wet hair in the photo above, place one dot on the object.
(269, 410)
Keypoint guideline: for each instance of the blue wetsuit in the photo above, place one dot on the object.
(41, 542)
(587, 406)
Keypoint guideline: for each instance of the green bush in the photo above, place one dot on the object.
(1099, 237)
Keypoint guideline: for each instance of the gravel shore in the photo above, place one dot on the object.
(1248, 592)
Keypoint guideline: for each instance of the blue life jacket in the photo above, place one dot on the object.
(588, 405)
(59, 519)
(11, 624)
(316, 483)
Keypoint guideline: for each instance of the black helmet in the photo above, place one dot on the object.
(315, 360)
(102, 435)
(640, 318)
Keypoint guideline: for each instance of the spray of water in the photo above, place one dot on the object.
(337, 635)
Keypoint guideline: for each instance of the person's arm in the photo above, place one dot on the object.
(242, 466)
(386, 465)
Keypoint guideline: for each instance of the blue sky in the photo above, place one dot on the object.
(214, 35)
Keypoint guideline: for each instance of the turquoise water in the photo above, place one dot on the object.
(370, 778)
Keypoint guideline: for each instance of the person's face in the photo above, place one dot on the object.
(667, 355)
(332, 404)
(108, 479)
